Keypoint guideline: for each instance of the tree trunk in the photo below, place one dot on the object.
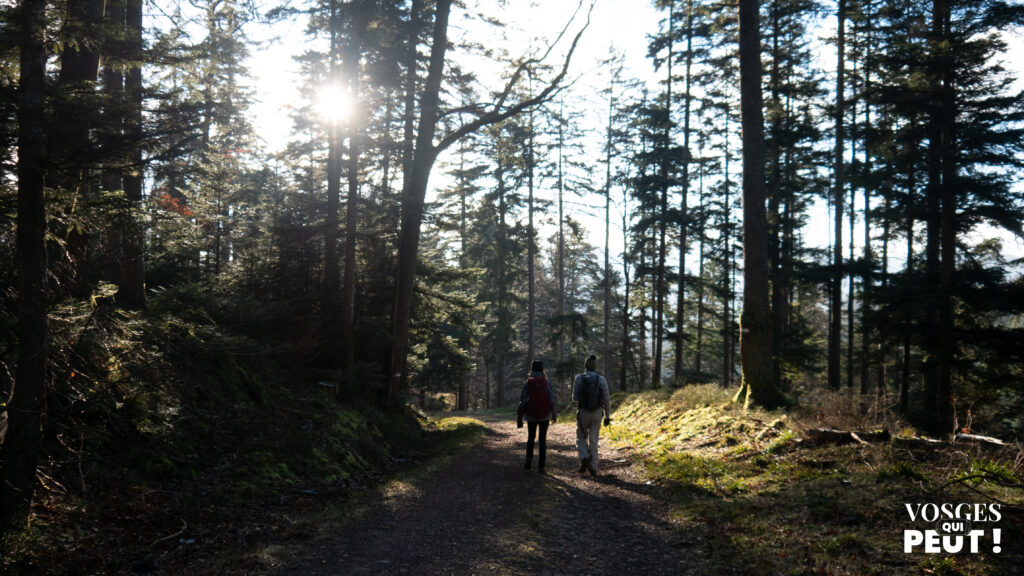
(89, 265)
(659, 282)
(756, 333)
(905, 373)
(933, 226)
(423, 157)
(131, 288)
(626, 348)
(561, 233)
(698, 350)
(727, 281)
(504, 328)
(413, 195)
(332, 264)
(355, 137)
(947, 119)
(531, 246)
(681, 288)
(836, 287)
(849, 286)
(70, 145)
(20, 452)
(774, 159)
(607, 292)
(865, 299)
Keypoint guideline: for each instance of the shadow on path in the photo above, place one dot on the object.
(484, 514)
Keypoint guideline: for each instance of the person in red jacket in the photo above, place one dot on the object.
(538, 406)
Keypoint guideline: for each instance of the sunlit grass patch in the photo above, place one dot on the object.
(460, 431)
(773, 503)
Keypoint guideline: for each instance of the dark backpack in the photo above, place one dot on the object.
(590, 393)
(539, 404)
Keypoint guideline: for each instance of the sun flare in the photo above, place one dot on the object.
(333, 104)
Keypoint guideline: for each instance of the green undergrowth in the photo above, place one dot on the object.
(769, 502)
(186, 433)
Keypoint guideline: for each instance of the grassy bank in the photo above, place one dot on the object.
(774, 503)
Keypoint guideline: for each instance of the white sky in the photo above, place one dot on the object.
(622, 23)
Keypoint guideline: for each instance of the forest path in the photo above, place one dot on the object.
(484, 514)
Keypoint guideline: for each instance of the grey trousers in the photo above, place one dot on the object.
(588, 428)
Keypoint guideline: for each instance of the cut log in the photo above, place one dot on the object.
(917, 442)
(881, 435)
(829, 436)
(986, 441)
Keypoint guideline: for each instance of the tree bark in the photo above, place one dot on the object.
(836, 287)
(933, 224)
(905, 367)
(355, 130)
(413, 195)
(531, 246)
(698, 349)
(560, 185)
(681, 288)
(607, 292)
(774, 159)
(71, 153)
(756, 333)
(659, 282)
(20, 453)
(332, 265)
(131, 291)
(727, 270)
(947, 119)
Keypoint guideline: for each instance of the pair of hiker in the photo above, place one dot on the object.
(537, 405)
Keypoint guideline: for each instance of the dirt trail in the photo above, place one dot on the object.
(484, 514)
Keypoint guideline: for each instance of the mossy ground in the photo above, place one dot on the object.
(775, 504)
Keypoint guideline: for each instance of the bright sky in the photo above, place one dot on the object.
(622, 23)
(275, 77)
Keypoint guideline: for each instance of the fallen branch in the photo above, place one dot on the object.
(831, 436)
(963, 482)
(184, 526)
(915, 442)
(985, 441)
(617, 464)
(882, 435)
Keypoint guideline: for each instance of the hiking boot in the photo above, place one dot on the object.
(540, 470)
(529, 463)
(593, 472)
(584, 464)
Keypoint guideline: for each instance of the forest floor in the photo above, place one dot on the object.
(690, 484)
(483, 513)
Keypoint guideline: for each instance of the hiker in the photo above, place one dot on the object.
(537, 404)
(590, 392)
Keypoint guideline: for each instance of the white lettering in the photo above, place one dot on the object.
(996, 515)
(969, 515)
(913, 510)
(974, 535)
(911, 538)
(948, 511)
(952, 544)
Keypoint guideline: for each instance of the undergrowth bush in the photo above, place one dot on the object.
(847, 409)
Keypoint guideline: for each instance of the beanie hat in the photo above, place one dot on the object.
(591, 363)
(537, 366)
